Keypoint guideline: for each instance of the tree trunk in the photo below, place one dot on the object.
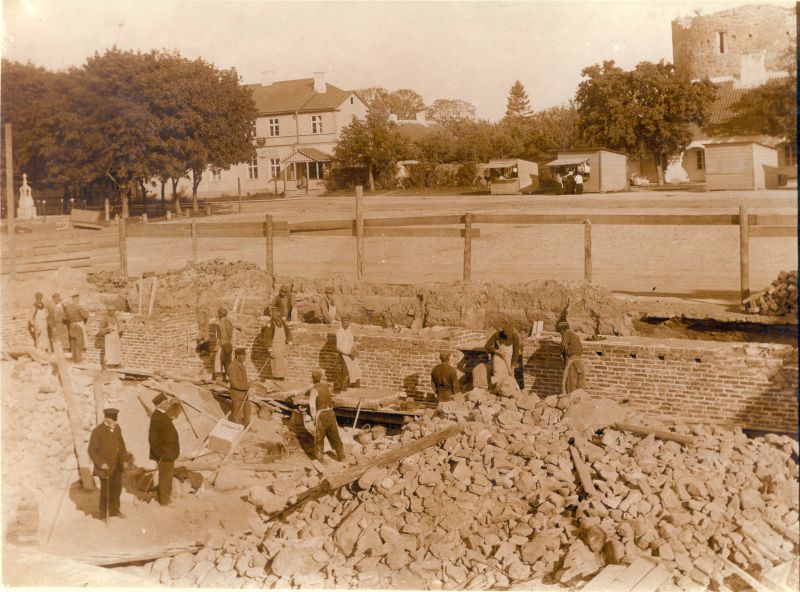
(143, 189)
(163, 197)
(124, 197)
(175, 197)
(371, 180)
(196, 178)
(660, 168)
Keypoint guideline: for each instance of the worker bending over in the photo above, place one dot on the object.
(574, 377)
(444, 379)
(320, 407)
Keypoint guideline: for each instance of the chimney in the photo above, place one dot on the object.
(393, 117)
(319, 82)
(267, 77)
(420, 116)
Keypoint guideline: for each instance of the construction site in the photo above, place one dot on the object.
(673, 467)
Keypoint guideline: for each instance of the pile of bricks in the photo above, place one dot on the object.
(779, 299)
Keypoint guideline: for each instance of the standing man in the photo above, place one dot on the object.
(111, 330)
(320, 407)
(277, 336)
(327, 306)
(56, 323)
(164, 445)
(108, 453)
(571, 349)
(578, 183)
(349, 369)
(75, 316)
(559, 183)
(38, 323)
(284, 302)
(224, 344)
(240, 412)
(505, 347)
(444, 378)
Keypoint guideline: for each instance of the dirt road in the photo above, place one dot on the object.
(683, 261)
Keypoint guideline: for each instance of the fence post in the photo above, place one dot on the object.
(144, 217)
(468, 247)
(270, 251)
(194, 240)
(744, 252)
(359, 232)
(12, 269)
(587, 251)
(239, 192)
(108, 210)
(123, 248)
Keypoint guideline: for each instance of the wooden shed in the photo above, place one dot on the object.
(607, 168)
(510, 176)
(733, 163)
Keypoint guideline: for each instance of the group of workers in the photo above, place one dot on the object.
(63, 324)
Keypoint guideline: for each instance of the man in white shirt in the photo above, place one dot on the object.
(578, 183)
(350, 370)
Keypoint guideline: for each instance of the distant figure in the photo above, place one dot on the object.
(571, 349)
(76, 316)
(349, 369)
(108, 453)
(240, 413)
(38, 323)
(277, 337)
(320, 408)
(569, 183)
(224, 344)
(164, 444)
(559, 183)
(56, 323)
(579, 184)
(111, 329)
(284, 302)
(505, 348)
(327, 306)
(444, 379)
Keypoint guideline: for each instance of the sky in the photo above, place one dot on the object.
(443, 50)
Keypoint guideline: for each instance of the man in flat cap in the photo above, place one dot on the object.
(37, 323)
(224, 344)
(444, 378)
(284, 302)
(327, 306)
(164, 444)
(76, 316)
(349, 370)
(237, 373)
(276, 337)
(57, 327)
(108, 453)
(574, 377)
(320, 407)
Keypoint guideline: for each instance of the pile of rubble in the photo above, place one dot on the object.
(779, 299)
(505, 504)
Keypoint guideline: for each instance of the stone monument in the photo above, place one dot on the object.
(26, 209)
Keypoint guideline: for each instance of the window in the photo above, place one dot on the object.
(316, 124)
(274, 127)
(275, 167)
(721, 42)
(790, 154)
(316, 170)
(701, 160)
(216, 175)
(252, 169)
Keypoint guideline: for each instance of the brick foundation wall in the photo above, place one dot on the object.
(750, 385)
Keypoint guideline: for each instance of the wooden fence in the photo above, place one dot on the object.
(41, 252)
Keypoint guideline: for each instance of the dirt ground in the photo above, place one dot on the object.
(686, 262)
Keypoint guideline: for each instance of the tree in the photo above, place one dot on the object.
(405, 103)
(518, 106)
(451, 112)
(555, 128)
(374, 96)
(644, 111)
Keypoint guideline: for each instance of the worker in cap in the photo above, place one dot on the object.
(284, 302)
(224, 353)
(444, 379)
(506, 348)
(75, 317)
(240, 411)
(37, 323)
(164, 443)
(320, 407)
(349, 367)
(57, 328)
(574, 376)
(111, 330)
(108, 453)
(277, 336)
(327, 306)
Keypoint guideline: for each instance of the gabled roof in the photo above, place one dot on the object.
(307, 154)
(288, 96)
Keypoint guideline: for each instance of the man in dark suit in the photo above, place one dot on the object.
(164, 445)
(108, 453)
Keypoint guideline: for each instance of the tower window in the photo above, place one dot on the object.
(721, 42)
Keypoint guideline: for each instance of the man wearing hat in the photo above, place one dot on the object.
(284, 302)
(56, 325)
(327, 306)
(76, 316)
(349, 369)
(276, 337)
(110, 330)
(239, 387)
(224, 344)
(108, 453)
(164, 444)
(37, 323)
(444, 378)
(320, 407)
(571, 349)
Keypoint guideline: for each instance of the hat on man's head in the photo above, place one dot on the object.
(222, 310)
(56, 295)
(329, 290)
(444, 355)
(316, 374)
(111, 413)
(562, 325)
(284, 288)
(239, 350)
(38, 295)
(159, 398)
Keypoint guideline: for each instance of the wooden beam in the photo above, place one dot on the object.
(359, 232)
(123, 248)
(421, 232)
(322, 225)
(194, 240)
(10, 211)
(772, 220)
(467, 248)
(180, 230)
(582, 469)
(614, 219)
(744, 254)
(587, 251)
(269, 230)
(662, 434)
(773, 231)
(451, 220)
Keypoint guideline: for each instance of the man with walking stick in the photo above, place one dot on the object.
(108, 453)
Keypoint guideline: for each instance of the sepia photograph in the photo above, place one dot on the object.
(399, 295)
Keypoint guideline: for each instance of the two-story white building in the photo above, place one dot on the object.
(298, 125)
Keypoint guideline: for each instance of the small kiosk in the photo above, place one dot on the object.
(510, 176)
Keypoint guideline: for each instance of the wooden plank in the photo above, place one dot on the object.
(582, 469)
(744, 253)
(414, 221)
(467, 277)
(269, 231)
(322, 225)
(652, 581)
(587, 251)
(231, 229)
(602, 580)
(359, 232)
(772, 220)
(634, 574)
(334, 232)
(421, 232)
(181, 230)
(193, 234)
(613, 219)
(662, 434)
(773, 231)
